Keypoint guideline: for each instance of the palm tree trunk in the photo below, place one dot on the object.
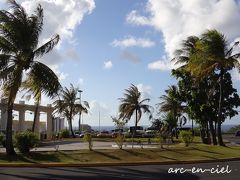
(35, 115)
(134, 132)
(9, 142)
(215, 127)
(12, 95)
(71, 128)
(203, 133)
(220, 139)
(192, 128)
(214, 139)
(70, 123)
(79, 122)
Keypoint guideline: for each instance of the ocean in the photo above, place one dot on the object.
(225, 127)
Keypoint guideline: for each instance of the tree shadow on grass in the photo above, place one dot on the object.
(107, 155)
(138, 154)
(70, 156)
(176, 151)
(32, 157)
(207, 151)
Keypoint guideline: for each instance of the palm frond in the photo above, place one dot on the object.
(46, 47)
(44, 78)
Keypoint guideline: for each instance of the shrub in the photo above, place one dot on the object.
(186, 137)
(88, 138)
(1, 138)
(119, 140)
(65, 133)
(25, 141)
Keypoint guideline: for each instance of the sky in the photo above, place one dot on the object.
(108, 45)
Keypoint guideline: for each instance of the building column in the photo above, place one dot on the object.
(21, 120)
(49, 125)
(21, 116)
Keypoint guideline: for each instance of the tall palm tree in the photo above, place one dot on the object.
(213, 55)
(68, 105)
(132, 103)
(19, 49)
(182, 57)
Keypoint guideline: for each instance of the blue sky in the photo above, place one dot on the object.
(108, 45)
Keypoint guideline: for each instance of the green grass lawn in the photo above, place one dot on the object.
(177, 152)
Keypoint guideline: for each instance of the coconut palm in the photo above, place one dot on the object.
(85, 109)
(34, 89)
(172, 104)
(19, 49)
(213, 55)
(181, 56)
(133, 103)
(68, 105)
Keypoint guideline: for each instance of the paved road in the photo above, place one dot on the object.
(232, 138)
(155, 172)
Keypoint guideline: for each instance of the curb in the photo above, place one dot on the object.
(48, 165)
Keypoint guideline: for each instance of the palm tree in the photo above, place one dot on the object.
(172, 104)
(35, 89)
(132, 103)
(182, 56)
(212, 56)
(19, 49)
(84, 109)
(68, 105)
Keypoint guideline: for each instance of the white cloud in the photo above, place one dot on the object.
(96, 106)
(131, 41)
(163, 65)
(61, 75)
(60, 17)
(107, 65)
(80, 81)
(177, 20)
(72, 54)
(145, 90)
(134, 18)
(235, 75)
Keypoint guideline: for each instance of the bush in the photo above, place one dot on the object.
(186, 137)
(88, 138)
(119, 140)
(1, 138)
(25, 141)
(65, 133)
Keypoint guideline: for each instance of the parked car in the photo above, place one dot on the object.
(149, 133)
(237, 133)
(104, 134)
(115, 132)
(139, 131)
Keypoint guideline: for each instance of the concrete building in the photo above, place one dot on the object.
(58, 124)
(22, 124)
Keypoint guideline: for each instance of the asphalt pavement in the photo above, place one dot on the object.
(229, 171)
